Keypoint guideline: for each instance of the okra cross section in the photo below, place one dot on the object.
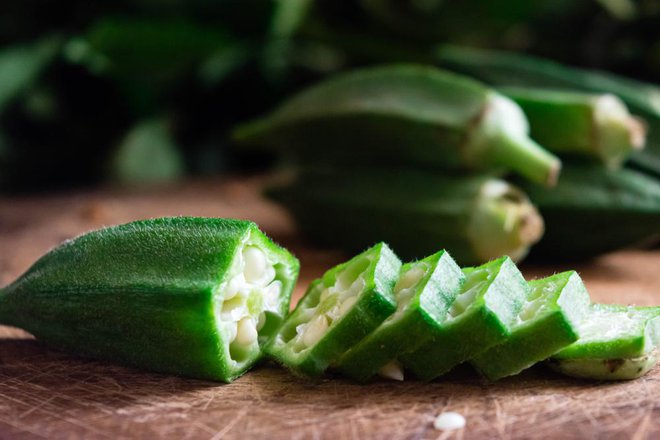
(547, 322)
(424, 292)
(616, 343)
(482, 316)
(347, 303)
(190, 296)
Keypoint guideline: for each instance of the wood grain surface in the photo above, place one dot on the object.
(48, 394)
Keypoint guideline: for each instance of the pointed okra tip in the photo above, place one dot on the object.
(253, 298)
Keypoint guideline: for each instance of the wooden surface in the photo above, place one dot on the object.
(47, 394)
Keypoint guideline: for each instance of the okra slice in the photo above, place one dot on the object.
(594, 125)
(483, 315)
(191, 296)
(347, 303)
(411, 114)
(424, 292)
(616, 343)
(547, 322)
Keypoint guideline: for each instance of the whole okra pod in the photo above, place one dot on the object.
(405, 114)
(476, 218)
(191, 296)
(594, 125)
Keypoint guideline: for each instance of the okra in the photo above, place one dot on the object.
(191, 296)
(339, 309)
(548, 321)
(404, 114)
(476, 218)
(509, 69)
(593, 210)
(593, 125)
(616, 343)
(482, 316)
(424, 292)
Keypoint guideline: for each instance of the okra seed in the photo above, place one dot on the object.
(409, 279)
(449, 421)
(346, 305)
(231, 328)
(392, 370)
(315, 330)
(234, 309)
(234, 286)
(255, 264)
(246, 332)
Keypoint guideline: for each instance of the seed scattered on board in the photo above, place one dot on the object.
(448, 421)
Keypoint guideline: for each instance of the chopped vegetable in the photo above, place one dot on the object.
(405, 114)
(476, 218)
(191, 296)
(482, 316)
(547, 322)
(424, 292)
(616, 343)
(339, 309)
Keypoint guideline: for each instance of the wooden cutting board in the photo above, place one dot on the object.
(47, 394)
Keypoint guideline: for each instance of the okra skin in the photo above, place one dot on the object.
(409, 114)
(594, 210)
(564, 302)
(417, 323)
(616, 343)
(375, 302)
(486, 322)
(591, 125)
(508, 69)
(476, 218)
(145, 294)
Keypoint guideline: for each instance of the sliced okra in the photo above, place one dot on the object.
(616, 343)
(547, 322)
(347, 303)
(482, 316)
(424, 292)
(190, 296)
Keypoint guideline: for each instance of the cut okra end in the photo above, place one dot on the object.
(251, 302)
(503, 222)
(337, 310)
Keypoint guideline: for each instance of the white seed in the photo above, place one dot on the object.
(449, 421)
(230, 329)
(315, 330)
(234, 309)
(346, 305)
(234, 286)
(466, 298)
(246, 332)
(272, 295)
(409, 279)
(530, 310)
(255, 264)
(392, 370)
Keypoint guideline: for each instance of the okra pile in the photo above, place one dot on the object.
(207, 298)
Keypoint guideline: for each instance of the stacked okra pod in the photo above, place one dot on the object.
(416, 156)
(205, 298)
(363, 319)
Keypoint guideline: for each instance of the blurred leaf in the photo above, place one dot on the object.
(21, 65)
(147, 155)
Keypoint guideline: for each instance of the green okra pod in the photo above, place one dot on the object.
(424, 292)
(616, 343)
(547, 322)
(337, 311)
(191, 296)
(482, 316)
(405, 114)
(509, 69)
(476, 218)
(594, 125)
(593, 210)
